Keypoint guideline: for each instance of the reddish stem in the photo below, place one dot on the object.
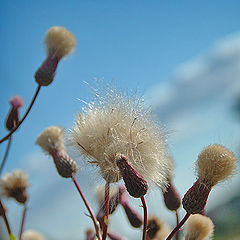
(177, 222)
(6, 154)
(23, 221)
(144, 236)
(25, 115)
(106, 211)
(95, 222)
(3, 213)
(176, 229)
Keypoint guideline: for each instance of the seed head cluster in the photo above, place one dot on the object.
(199, 227)
(215, 163)
(14, 185)
(115, 123)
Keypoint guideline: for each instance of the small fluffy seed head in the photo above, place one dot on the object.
(51, 139)
(157, 229)
(32, 235)
(118, 123)
(14, 185)
(215, 163)
(59, 41)
(199, 227)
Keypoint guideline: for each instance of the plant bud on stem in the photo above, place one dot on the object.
(136, 185)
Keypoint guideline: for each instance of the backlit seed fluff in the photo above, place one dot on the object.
(14, 185)
(59, 41)
(51, 139)
(215, 163)
(199, 227)
(32, 235)
(116, 123)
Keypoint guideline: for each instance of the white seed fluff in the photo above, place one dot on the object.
(59, 41)
(117, 123)
(32, 235)
(51, 139)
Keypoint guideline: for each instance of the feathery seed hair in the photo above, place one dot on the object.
(59, 41)
(215, 163)
(199, 227)
(117, 123)
(14, 185)
(51, 139)
(32, 235)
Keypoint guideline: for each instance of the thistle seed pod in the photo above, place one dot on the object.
(135, 184)
(59, 42)
(14, 185)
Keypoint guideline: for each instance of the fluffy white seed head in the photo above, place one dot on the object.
(32, 235)
(14, 185)
(59, 41)
(199, 227)
(215, 163)
(117, 123)
(51, 139)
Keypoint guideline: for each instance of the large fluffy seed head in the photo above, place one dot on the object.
(59, 41)
(215, 163)
(32, 235)
(14, 185)
(51, 139)
(117, 123)
(199, 227)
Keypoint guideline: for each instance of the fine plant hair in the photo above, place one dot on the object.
(118, 123)
(215, 163)
(199, 227)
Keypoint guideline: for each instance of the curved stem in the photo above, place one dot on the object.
(176, 229)
(6, 154)
(95, 222)
(144, 236)
(177, 222)
(106, 211)
(23, 221)
(25, 115)
(3, 213)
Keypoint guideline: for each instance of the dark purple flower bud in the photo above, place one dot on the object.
(135, 184)
(13, 116)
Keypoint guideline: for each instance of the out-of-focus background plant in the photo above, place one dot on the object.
(184, 58)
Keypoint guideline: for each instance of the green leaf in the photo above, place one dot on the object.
(11, 237)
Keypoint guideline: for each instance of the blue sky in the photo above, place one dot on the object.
(178, 54)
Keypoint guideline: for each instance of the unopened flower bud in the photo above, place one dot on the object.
(13, 116)
(65, 166)
(171, 198)
(134, 218)
(59, 42)
(136, 185)
(14, 185)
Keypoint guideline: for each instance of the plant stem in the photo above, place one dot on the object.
(6, 154)
(144, 236)
(177, 222)
(23, 221)
(176, 229)
(3, 213)
(106, 211)
(25, 115)
(95, 222)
